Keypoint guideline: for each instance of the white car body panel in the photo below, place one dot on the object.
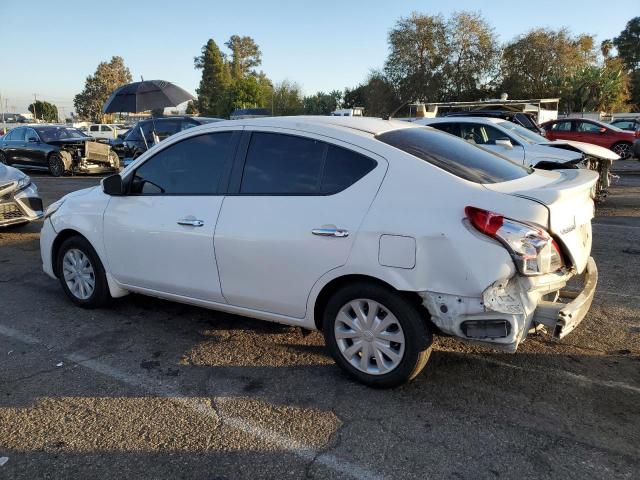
(272, 267)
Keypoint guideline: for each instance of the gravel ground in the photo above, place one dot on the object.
(153, 389)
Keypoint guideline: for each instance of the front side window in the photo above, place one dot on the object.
(452, 155)
(561, 127)
(193, 166)
(290, 165)
(31, 135)
(480, 134)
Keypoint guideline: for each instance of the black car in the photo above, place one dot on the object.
(520, 118)
(56, 148)
(631, 124)
(141, 136)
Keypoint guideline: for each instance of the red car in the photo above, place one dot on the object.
(592, 131)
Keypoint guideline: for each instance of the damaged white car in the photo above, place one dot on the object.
(528, 148)
(379, 233)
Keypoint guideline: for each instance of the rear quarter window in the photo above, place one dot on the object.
(454, 155)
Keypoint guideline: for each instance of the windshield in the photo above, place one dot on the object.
(454, 155)
(523, 133)
(49, 134)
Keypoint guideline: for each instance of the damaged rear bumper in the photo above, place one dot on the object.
(564, 318)
(509, 308)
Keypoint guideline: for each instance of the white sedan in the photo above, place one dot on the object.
(379, 233)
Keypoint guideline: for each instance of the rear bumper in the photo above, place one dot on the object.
(564, 318)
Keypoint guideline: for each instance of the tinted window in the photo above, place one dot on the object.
(343, 168)
(282, 164)
(624, 124)
(29, 134)
(17, 134)
(94, 128)
(190, 167)
(454, 156)
(165, 128)
(452, 128)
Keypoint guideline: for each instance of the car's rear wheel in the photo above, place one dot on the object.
(376, 335)
(81, 273)
(56, 165)
(623, 149)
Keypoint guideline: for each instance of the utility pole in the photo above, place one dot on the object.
(35, 112)
(4, 127)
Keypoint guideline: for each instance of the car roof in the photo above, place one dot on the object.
(370, 125)
(485, 120)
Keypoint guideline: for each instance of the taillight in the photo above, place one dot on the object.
(533, 250)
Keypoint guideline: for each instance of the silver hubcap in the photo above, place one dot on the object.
(78, 273)
(369, 336)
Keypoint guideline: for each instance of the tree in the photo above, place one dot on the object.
(628, 44)
(599, 88)
(44, 111)
(473, 56)
(245, 55)
(215, 81)
(540, 63)
(107, 77)
(322, 103)
(287, 99)
(416, 63)
(376, 95)
(191, 108)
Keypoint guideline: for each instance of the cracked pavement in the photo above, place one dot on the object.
(153, 389)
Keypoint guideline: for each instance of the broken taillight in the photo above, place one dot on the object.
(532, 248)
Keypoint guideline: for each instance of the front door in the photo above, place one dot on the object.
(297, 207)
(160, 235)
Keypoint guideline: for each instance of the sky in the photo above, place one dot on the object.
(51, 47)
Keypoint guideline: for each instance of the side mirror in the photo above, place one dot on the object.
(112, 185)
(33, 140)
(504, 143)
(603, 130)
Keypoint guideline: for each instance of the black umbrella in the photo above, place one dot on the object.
(146, 95)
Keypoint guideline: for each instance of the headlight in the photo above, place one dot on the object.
(53, 208)
(24, 182)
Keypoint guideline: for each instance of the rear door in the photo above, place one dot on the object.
(296, 202)
(160, 235)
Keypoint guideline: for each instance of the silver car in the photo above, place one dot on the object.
(20, 201)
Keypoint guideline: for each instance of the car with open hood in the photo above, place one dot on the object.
(379, 233)
(57, 148)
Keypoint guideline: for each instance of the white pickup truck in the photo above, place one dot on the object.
(106, 130)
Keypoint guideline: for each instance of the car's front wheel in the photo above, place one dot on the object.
(81, 273)
(376, 335)
(3, 159)
(56, 165)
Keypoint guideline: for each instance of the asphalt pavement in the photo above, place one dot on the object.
(152, 389)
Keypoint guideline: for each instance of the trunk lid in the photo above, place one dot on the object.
(567, 196)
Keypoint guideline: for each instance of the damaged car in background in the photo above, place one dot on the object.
(19, 199)
(529, 148)
(59, 149)
(379, 233)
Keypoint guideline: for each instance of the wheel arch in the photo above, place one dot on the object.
(336, 283)
(57, 243)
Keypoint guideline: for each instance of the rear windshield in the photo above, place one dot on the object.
(454, 155)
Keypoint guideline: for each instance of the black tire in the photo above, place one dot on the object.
(623, 149)
(3, 159)
(56, 165)
(418, 338)
(100, 295)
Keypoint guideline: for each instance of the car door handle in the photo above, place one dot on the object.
(330, 232)
(191, 222)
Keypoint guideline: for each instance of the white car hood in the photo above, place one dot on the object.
(587, 148)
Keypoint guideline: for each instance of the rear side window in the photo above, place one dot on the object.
(454, 155)
(17, 135)
(193, 166)
(280, 164)
(561, 127)
(452, 128)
